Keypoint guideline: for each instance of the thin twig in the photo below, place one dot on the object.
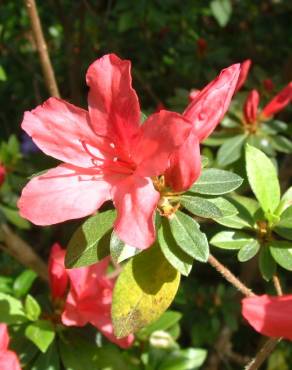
(42, 48)
(22, 252)
(229, 276)
(277, 285)
(263, 354)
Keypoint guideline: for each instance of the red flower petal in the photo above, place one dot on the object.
(269, 315)
(244, 69)
(9, 361)
(161, 134)
(135, 200)
(90, 299)
(83, 279)
(185, 165)
(57, 273)
(58, 129)
(4, 337)
(279, 102)
(250, 108)
(113, 104)
(209, 106)
(61, 194)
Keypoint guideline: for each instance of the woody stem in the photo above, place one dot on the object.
(42, 48)
(230, 277)
(22, 252)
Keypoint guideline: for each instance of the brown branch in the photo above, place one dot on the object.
(229, 276)
(42, 48)
(263, 354)
(277, 285)
(22, 252)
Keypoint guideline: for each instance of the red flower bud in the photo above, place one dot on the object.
(268, 85)
(2, 174)
(202, 46)
(250, 108)
(279, 102)
(244, 69)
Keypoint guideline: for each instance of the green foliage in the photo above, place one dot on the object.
(41, 333)
(144, 290)
(90, 242)
(119, 250)
(263, 179)
(216, 182)
(32, 308)
(11, 310)
(231, 150)
(175, 255)
(186, 232)
(231, 240)
(221, 10)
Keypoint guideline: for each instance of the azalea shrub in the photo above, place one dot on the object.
(137, 231)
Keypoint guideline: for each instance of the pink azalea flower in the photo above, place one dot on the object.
(2, 174)
(250, 108)
(90, 295)
(89, 301)
(193, 93)
(270, 316)
(205, 112)
(8, 359)
(107, 154)
(251, 112)
(58, 276)
(244, 70)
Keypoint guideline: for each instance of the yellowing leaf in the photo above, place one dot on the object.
(144, 290)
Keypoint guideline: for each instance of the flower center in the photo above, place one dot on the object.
(169, 201)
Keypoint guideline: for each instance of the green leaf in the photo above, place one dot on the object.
(231, 239)
(284, 226)
(248, 251)
(144, 290)
(41, 333)
(200, 207)
(267, 264)
(216, 182)
(23, 282)
(263, 143)
(11, 310)
(263, 179)
(227, 209)
(282, 144)
(204, 161)
(184, 359)
(13, 216)
(32, 308)
(286, 200)
(247, 209)
(172, 252)
(49, 360)
(221, 10)
(3, 76)
(230, 151)
(282, 253)
(277, 125)
(167, 320)
(121, 251)
(186, 232)
(218, 138)
(90, 242)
